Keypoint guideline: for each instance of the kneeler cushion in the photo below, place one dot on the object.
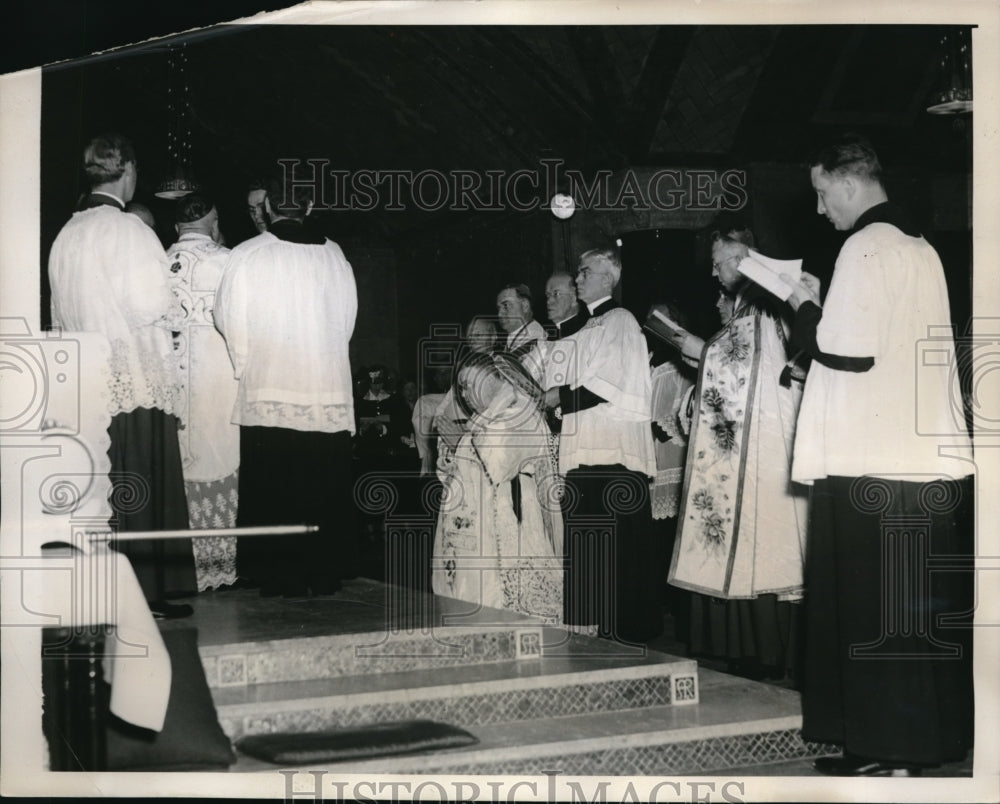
(356, 742)
(192, 738)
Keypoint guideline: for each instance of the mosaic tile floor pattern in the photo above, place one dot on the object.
(304, 659)
(776, 749)
(502, 706)
(676, 758)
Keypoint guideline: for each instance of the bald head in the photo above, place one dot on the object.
(197, 213)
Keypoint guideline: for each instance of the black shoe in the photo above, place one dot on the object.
(850, 765)
(162, 610)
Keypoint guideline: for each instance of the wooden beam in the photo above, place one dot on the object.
(639, 122)
(599, 71)
(453, 72)
(564, 98)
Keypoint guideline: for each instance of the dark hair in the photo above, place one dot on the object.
(521, 289)
(105, 157)
(289, 198)
(193, 207)
(850, 154)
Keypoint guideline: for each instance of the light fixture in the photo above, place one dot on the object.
(178, 181)
(954, 92)
(563, 206)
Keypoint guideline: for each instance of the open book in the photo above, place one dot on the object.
(665, 328)
(767, 271)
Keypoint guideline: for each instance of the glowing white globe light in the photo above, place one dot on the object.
(562, 206)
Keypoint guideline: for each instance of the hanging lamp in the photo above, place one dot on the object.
(178, 180)
(954, 92)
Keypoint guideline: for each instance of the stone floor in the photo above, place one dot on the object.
(362, 606)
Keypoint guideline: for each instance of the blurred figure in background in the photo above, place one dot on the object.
(256, 193)
(424, 434)
(383, 420)
(672, 385)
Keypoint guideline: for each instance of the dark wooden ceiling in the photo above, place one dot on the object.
(504, 98)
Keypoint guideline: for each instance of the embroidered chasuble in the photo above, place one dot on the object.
(483, 553)
(742, 523)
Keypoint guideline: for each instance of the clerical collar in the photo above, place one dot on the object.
(293, 230)
(568, 318)
(99, 198)
(886, 212)
(592, 306)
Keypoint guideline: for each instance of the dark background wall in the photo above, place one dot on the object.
(752, 98)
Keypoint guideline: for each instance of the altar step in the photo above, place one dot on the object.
(367, 654)
(367, 628)
(738, 723)
(581, 677)
(537, 698)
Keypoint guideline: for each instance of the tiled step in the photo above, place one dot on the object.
(537, 698)
(364, 654)
(553, 686)
(378, 628)
(737, 723)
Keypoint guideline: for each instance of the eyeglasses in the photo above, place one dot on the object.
(717, 265)
(555, 294)
(588, 271)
